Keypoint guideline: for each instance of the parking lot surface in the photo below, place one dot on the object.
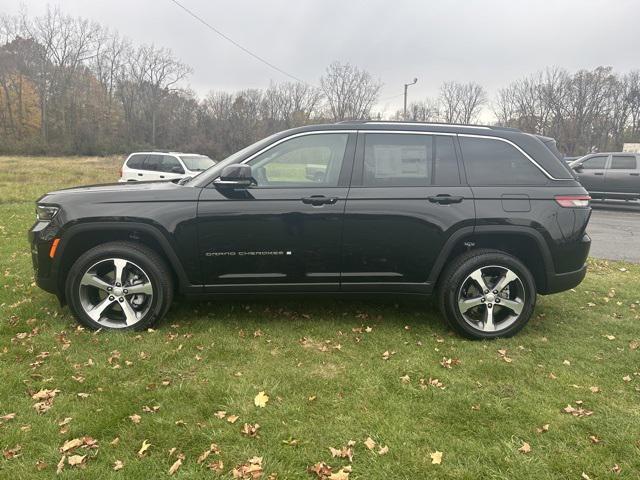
(615, 230)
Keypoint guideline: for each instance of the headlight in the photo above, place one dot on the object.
(45, 213)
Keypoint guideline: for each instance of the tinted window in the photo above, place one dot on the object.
(595, 163)
(397, 160)
(168, 163)
(620, 162)
(308, 160)
(153, 163)
(495, 162)
(136, 161)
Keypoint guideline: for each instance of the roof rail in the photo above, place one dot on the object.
(432, 124)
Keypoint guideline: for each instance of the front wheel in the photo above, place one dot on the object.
(119, 286)
(487, 294)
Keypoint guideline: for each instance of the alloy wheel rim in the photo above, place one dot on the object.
(491, 298)
(115, 293)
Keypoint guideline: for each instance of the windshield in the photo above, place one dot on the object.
(197, 163)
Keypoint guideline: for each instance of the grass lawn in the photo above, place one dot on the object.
(323, 365)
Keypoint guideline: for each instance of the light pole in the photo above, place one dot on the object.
(406, 85)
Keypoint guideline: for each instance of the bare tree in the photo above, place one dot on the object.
(350, 92)
(461, 102)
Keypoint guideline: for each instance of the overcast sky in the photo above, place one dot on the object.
(490, 41)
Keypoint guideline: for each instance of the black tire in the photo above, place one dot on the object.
(454, 278)
(152, 265)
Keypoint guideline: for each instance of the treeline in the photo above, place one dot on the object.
(71, 86)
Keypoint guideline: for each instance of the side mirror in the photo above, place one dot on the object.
(177, 170)
(236, 176)
(578, 168)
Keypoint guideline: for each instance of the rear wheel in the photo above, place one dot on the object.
(120, 286)
(487, 294)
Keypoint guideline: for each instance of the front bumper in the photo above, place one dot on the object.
(41, 237)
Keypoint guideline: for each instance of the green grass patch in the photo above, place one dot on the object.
(324, 372)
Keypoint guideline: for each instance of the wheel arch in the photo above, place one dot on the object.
(525, 243)
(79, 238)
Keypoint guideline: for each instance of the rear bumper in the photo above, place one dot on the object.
(559, 282)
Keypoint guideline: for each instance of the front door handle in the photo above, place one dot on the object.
(445, 199)
(635, 174)
(139, 174)
(317, 200)
(598, 173)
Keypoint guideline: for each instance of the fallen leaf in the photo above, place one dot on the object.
(544, 428)
(369, 443)
(12, 452)
(344, 452)
(60, 465)
(627, 378)
(118, 465)
(525, 448)
(135, 418)
(75, 460)
(176, 465)
(594, 439)
(436, 458)
(220, 414)
(342, 474)
(616, 468)
(261, 400)
(405, 379)
(250, 470)
(594, 389)
(71, 444)
(383, 450)
(143, 449)
(232, 418)
(7, 417)
(584, 476)
(216, 466)
(250, 430)
(449, 362)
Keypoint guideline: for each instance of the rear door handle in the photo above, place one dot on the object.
(445, 199)
(161, 176)
(635, 174)
(317, 200)
(139, 174)
(598, 173)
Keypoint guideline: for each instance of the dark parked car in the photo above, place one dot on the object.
(610, 175)
(485, 217)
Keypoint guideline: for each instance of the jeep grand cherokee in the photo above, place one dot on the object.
(484, 217)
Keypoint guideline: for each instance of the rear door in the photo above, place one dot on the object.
(134, 170)
(592, 173)
(406, 199)
(623, 175)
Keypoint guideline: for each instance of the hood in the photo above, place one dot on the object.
(125, 192)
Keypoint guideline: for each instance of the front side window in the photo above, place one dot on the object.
(595, 163)
(304, 161)
(169, 163)
(623, 162)
(489, 161)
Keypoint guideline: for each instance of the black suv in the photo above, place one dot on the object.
(485, 217)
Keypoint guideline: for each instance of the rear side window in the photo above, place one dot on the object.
(493, 162)
(595, 163)
(153, 163)
(406, 160)
(623, 162)
(136, 161)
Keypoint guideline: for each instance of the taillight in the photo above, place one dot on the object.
(573, 201)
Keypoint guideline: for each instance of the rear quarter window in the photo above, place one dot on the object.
(490, 161)
(136, 161)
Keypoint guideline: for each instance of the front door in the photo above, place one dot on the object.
(591, 175)
(406, 200)
(283, 234)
